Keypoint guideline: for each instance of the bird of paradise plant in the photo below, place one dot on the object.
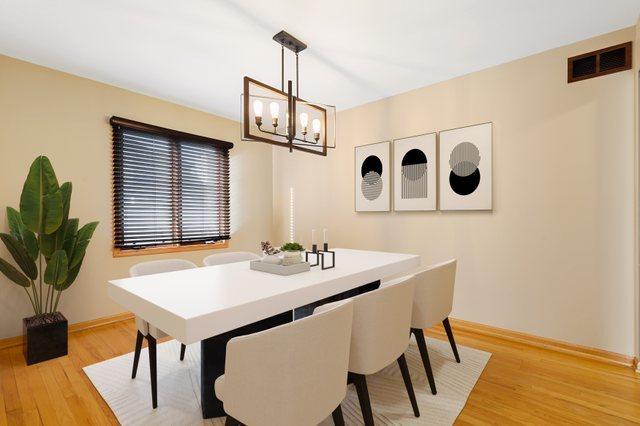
(41, 231)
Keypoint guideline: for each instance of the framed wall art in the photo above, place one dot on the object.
(372, 178)
(466, 168)
(415, 173)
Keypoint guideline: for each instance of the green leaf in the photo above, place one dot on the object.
(86, 232)
(71, 277)
(15, 223)
(47, 245)
(70, 236)
(21, 233)
(57, 268)
(65, 191)
(13, 274)
(30, 243)
(82, 242)
(20, 255)
(52, 212)
(40, 182)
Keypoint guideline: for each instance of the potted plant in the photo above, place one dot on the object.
(48, 248)
(292, 253)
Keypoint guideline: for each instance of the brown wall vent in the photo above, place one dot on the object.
(600, 62)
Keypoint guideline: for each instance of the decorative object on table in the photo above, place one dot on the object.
(321, 254)
(292, 253)
(296, 268)
(372, 178)
(295, 123)
(42, 230)
(314, 250)
(414, 168)
(271, 254)
(465, 168)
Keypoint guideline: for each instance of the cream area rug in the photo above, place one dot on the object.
(179, 387)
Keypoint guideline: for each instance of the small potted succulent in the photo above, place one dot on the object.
(292, 253)
(48, 248)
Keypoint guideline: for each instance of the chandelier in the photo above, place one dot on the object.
(294, 123)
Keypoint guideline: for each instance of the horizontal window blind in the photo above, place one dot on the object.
(170, 188)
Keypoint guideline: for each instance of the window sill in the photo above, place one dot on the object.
(169, 249)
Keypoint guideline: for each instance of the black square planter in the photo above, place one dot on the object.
(44, 337)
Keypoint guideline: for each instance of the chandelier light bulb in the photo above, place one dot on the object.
(257, 108)
(316, 129)
(275, 110)
(304, 119)
(257, 111)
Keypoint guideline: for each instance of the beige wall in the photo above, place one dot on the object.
(66, 118)
(555, 257)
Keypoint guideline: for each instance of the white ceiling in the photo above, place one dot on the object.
(195, 52)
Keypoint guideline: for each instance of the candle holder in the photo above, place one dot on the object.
(325, 252)
(314, 251)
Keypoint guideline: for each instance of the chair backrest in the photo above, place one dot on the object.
(229, 257)
(381, 323)
(433, 298)
(160, 266)
(293, 374)
(156, 267)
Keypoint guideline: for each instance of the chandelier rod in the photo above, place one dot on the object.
(282, 68)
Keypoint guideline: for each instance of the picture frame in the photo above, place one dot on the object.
(372, 177)
(465, 161)
(415, 173)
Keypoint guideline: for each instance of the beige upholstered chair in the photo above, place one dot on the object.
(379, 337)
(230, 257)
(149, 331)
(294, 374)
(432, 303)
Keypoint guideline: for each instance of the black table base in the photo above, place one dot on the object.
(213, 350)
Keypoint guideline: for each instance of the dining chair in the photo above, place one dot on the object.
(229, 257)
(294, 374)
(379, 337)
(149, 331)
(432, 303)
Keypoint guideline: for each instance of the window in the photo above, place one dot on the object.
(170, 189)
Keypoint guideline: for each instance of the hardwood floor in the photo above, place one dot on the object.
(521, 384)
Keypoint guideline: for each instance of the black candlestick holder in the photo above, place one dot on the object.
(314, 251)
(326, 252)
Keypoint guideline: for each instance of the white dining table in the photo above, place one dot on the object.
(213, 304)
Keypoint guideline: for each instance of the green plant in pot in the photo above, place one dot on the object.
(292, 253)
(48, 248)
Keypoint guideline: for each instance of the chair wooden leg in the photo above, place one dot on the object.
(338, 419)
(402, 363)
(182, 349)
(153, 368)
(232, 422)
(136, 355)
(447, 328)
(360, 382)
(424, 353)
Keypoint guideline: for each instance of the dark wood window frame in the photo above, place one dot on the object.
(210, 153)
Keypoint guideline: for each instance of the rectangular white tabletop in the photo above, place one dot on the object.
(195, 304)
